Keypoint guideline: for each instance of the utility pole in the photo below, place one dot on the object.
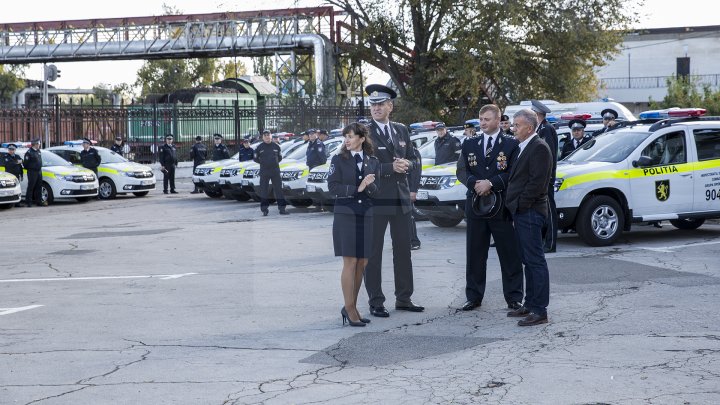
(50, 73)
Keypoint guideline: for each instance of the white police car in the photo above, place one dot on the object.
(206, 176)
(10, 192)
(116, 175)
(642, 171)
(61, 180)
(231, 180)
(441, 196)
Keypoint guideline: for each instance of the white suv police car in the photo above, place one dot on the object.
(645, 170)
(10, 192)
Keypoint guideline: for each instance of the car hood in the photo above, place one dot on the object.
(7, 176)
(66, 170)
(127, 167)
(321, 169)
(571, 169)
(217, 164)
(446, 169)
(294, 166)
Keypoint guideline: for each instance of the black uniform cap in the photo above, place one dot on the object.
(379, 93)
(198, 138)
(487, 206)
(323, 131)
(577, 123)
(466, 126)
(266, 131)
(35, 141)
(85, 140)
(504, 118)
(609, 113)
(217, 136)
(12, 146)
(440, 126)
(168, 137)
(537, 106)
(118, 138)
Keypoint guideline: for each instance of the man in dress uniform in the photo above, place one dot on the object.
(13, 164)
(245, 152)
(168, 162)
(505, 124)
(577, 138)
(89, 156)
(118, 146)
(447, 146)
(609, 117)
(32, 162)
(315, 151)
(393, 203)
(547, 132)
(198, 154)
(220, 151)
(484, 167)
(268, 155)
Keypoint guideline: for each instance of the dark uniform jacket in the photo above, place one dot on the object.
(530, 178)
(245, 154)
(117, 149)
(547, 132)
(394, 188)
(416, 172)
(268, 155)
(13, 165)
(220, 152)
(569, 145)
(168, 155)
(446, 149)
(198, 153)
(90, 159)
(316, 153)
(32, 160)
(473, 165)
(605, 129)
(344, 180)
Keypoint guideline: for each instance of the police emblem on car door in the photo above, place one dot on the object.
(662, 190)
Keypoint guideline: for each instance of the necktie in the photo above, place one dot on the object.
(488, 148)
(387, 135)
(577, 143)
(358, 159)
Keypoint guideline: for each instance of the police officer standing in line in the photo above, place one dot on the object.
(393, 203)
(198, 154)
(447, 146)
(32, 162)
(89, 156)
(168, 162)
(547, 132)
(13, 164)
(315, 151)
(484, 167)
(245, 152)
(505, 125)
(220, 151)
(268, 155)
(469, 130)
(118, 146)
(323, 135)
(577, 138)
(609, 117)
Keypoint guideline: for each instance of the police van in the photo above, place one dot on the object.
(116, 175)
(10, 192)
(61, 180)
(647, 170)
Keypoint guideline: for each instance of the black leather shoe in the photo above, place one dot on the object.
(470, 305)
(518, 313)
(265, 212)
(173, 192)
(408, 306)
(514, 305)
(284, 213)
(379, 312)
(165, 191)
(533, 319)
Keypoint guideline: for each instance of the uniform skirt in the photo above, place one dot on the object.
(352, 234)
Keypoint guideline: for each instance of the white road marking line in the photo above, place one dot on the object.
(669, 249)
(8, 311)
(160, 276)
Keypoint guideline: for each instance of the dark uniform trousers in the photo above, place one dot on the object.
(169, 177)
(265, 179)
(34, 187)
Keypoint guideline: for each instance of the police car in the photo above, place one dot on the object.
(645, 170)
(117, 175)
(558, 109)
(61, 180)
(206, 176)
(10, 192)
(563, 130)
(231, 180)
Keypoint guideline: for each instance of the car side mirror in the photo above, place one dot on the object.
(642, 162)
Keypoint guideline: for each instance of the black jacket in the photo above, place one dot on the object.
(549, 135)
(473, 165)
(13, 165)
(446, 149)
(268, 155)
(117, 148)
(530, 178)
(569, 145)
(416, 172)
(245, 154)
(32, 160)
(343, 183)
(90, 159)
(220, 152)
(168, 155)
(316, 154)
(394, 188)
(198, 153)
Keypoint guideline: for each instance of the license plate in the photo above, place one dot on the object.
(5, 193)
(86, 187)
(310, 188)
(422, 195)
(146, 182)
(246, 182)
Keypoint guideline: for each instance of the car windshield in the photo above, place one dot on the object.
(298, 152)
(108, 156)
(51, 159)
(611, 147)
(427, 151)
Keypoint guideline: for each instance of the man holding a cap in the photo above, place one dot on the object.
(393, 203)
(547, 132)
(32, 162)
(220, 151)
(447, 147)
(315, 152)
(89, 156)
(609, 117)
(578, 138)
(245, 152)
(268, 155)
(168, 161)
(198, 154)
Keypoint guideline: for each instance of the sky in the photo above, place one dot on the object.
(655, 14)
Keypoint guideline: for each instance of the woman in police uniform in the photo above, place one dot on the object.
(351, 180)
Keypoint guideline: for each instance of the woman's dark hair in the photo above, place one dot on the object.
(361, 131)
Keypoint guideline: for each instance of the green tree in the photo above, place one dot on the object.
(449, 55)
(10, 81)
(687, 92)
(233, 69)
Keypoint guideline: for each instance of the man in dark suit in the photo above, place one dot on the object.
(393, 203)
(484, 167)
(547, 133)
(577, 137)
(528, 204)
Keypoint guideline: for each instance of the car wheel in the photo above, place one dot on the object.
(107, 189)
(600, 221)
(687, 224)
(46, 194)
(445, 222)
(141, 193)
(213, 194)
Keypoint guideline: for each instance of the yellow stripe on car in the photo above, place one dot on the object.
(625, 174)
(107, 170)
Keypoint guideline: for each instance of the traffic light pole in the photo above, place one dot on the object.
(45, 103)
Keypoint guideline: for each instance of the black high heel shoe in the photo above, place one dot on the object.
(345, 317)
(364, 320)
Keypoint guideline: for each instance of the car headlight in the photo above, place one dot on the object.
(68, 178)
(558, 184)
(448, 181)
(128, 174)
(7, 183)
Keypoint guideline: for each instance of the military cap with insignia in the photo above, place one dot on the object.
(266, 131)
(379, 93)
(217, 136)
(12, 146)
(539, 107)
(323, 131)
(35, 141)
(468, 125)
(440, 126)
(504, 118)
(577, 123)
(363, 121)
(168, 136)
(609, 114)
(85, 140)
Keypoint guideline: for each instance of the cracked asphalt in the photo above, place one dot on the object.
(184, 299)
